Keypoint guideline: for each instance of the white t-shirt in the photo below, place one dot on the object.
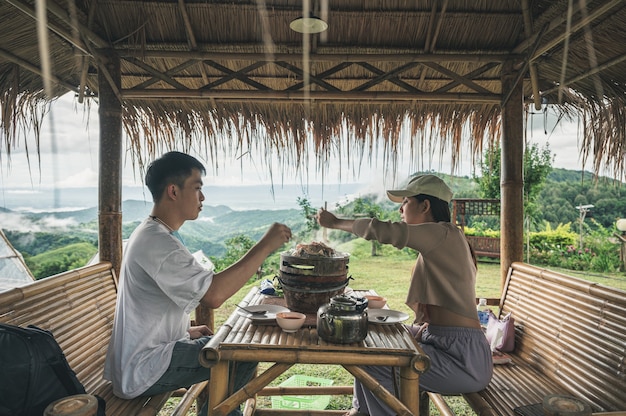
(160, 284)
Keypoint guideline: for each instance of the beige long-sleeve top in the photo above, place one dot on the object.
(444, 274)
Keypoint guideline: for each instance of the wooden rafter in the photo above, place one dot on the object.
(322, 75)
(60, 31)
(460, 79)
(322, 96)
(156, 74)
(238, 75)
(394, 80)
(234, 75)
(469, 75)
(35, 69)
(385, 76)
(532, 67)
(406, 56)
(312, 78)
(169, 73)
(191, 37)
(592, 71)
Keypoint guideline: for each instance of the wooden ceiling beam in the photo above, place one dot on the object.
(469, 75)
(385, 76)
(35, 69)
(560, 20)
(60, 31)
(235, 75)
(191, 37)
(592, 71)
(322, 75)
(459, 78)
(595, 14)
(394, 56)
(240, 75)
(156, 74)
(298, 96)
(169, 73)
(532, 67)
(404, 85)
(312, 78)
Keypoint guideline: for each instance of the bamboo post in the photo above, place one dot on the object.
(110, 175)
(511, 180)
(324, 229)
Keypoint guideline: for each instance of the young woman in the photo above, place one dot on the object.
(442, 292)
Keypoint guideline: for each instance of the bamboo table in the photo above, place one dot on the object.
(239, 339)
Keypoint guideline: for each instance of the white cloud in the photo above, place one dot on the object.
(83, 179)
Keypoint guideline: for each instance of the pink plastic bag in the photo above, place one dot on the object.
(501, 332)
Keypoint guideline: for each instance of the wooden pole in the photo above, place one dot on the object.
(511, 180)
(110, 175)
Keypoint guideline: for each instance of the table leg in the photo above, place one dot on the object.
(218, 385)
(381, 392)
(409, 389)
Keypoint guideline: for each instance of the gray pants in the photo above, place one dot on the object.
(185, 370)
(460, 362)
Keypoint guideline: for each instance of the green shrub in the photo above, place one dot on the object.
(550, 239)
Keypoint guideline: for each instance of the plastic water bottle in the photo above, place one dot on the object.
(483, 312)
(267, 287)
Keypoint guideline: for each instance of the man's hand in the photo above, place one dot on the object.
(277, 235)
(199, 331)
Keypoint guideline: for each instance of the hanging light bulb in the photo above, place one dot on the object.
(311, 24)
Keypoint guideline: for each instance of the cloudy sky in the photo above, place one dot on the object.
(71, 160)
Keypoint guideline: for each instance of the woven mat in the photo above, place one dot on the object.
(311, 318)
(530, 410)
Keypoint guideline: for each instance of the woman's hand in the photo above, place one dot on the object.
(417, 330)
(326, 218)
(196, 332)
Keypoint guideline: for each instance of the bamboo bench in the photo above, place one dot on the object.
(78, 308)
(570, 339)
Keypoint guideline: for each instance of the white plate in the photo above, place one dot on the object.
(386, 316)
(270, 315)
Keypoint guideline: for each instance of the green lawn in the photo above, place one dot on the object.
(389, 276)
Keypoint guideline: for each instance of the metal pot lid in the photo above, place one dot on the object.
(348, 303)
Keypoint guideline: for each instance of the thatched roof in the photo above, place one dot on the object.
(386, 75)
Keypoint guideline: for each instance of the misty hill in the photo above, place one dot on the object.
(132, 211)
(35, 233)
(32, 233)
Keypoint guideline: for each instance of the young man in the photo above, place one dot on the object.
(153, 349)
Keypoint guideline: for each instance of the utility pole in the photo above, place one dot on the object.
(582, 209)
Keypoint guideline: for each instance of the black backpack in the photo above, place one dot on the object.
(34, 372)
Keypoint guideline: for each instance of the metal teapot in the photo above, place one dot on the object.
(343, 320)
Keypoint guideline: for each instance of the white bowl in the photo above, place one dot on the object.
(290, 321)
(375, 302)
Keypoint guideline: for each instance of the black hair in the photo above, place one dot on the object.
(172, 167)
(441, 213)
(439, 207)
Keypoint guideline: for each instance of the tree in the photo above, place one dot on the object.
(308, 212)
(536, 168)
(236, 247)
(537, 164)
